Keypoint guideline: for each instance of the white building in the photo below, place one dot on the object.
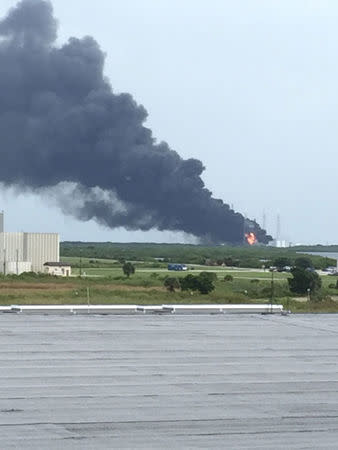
(279, 243)
(59, 269)
(26, 252)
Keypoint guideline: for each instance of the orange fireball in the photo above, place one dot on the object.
(251, 238)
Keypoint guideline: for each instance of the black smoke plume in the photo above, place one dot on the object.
(61, 123)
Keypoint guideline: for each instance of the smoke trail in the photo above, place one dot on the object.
(60, 122)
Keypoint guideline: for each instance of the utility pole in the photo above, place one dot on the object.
(80, 264)
(88, 299)
(4, 261)
(272, 290)
(17, 261)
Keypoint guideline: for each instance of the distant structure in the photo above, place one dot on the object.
(59, 269)
(278, 242)
(278, 228)
(26, 252)
(281, 243)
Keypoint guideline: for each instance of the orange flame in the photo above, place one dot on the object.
(251, 238)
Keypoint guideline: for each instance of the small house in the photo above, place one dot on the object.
(59, 269)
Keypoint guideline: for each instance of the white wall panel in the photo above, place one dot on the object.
(40, 248)
(34, 248)
(11, 247)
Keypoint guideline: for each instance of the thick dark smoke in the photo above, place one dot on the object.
(61, 123)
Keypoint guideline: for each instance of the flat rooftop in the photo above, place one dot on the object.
(169, 381)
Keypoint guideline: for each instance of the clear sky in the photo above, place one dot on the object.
(250, 87)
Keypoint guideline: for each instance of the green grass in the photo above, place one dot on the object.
(110, 286)
(221, 272)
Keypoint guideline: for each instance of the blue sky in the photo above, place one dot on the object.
(249, 87)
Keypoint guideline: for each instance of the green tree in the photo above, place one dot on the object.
(228, 278)
(128, 269)
(282, 261)
(171, 283)
(303, 280)
(202, 282)
(189, 283)
(303, 262)
(212, 276)
(205, 283)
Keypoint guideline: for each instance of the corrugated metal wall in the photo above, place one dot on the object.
(17, 268)
(12, 247)
(37, 248)
(40, 248)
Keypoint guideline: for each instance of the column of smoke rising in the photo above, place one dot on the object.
(61, 125)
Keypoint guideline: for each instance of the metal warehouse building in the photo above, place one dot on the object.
(26, 252)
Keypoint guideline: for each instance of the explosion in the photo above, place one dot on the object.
(251, 238)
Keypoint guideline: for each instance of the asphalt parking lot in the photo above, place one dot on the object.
(165, 382)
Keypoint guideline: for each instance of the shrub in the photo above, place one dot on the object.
(228, 278)
(303, 262)
(189, 283)
(128, 269)
(172, 283)
(202, 282)
(212, 276)
(205, 282)
(303, 280)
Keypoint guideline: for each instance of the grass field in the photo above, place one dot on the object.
(110, 286)
(220, 271)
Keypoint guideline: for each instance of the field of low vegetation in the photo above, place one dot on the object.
(110, 254)
(105, 280)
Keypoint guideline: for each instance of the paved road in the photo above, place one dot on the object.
(169, 382)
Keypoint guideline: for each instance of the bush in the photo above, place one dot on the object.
(212, 276)
(205, 282)
(202, 282)
(303, 262)
(318, 296)
(172, 283)
(254, 281)
(303, 280)
(128, 269)
(189, 283)
(228, 278)
(333, 285)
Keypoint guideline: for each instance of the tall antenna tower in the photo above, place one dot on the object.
(264, 221)
(278, 228)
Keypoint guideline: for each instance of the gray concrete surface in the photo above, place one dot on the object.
(169, 382)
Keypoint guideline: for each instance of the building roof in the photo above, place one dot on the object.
(57, 264)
